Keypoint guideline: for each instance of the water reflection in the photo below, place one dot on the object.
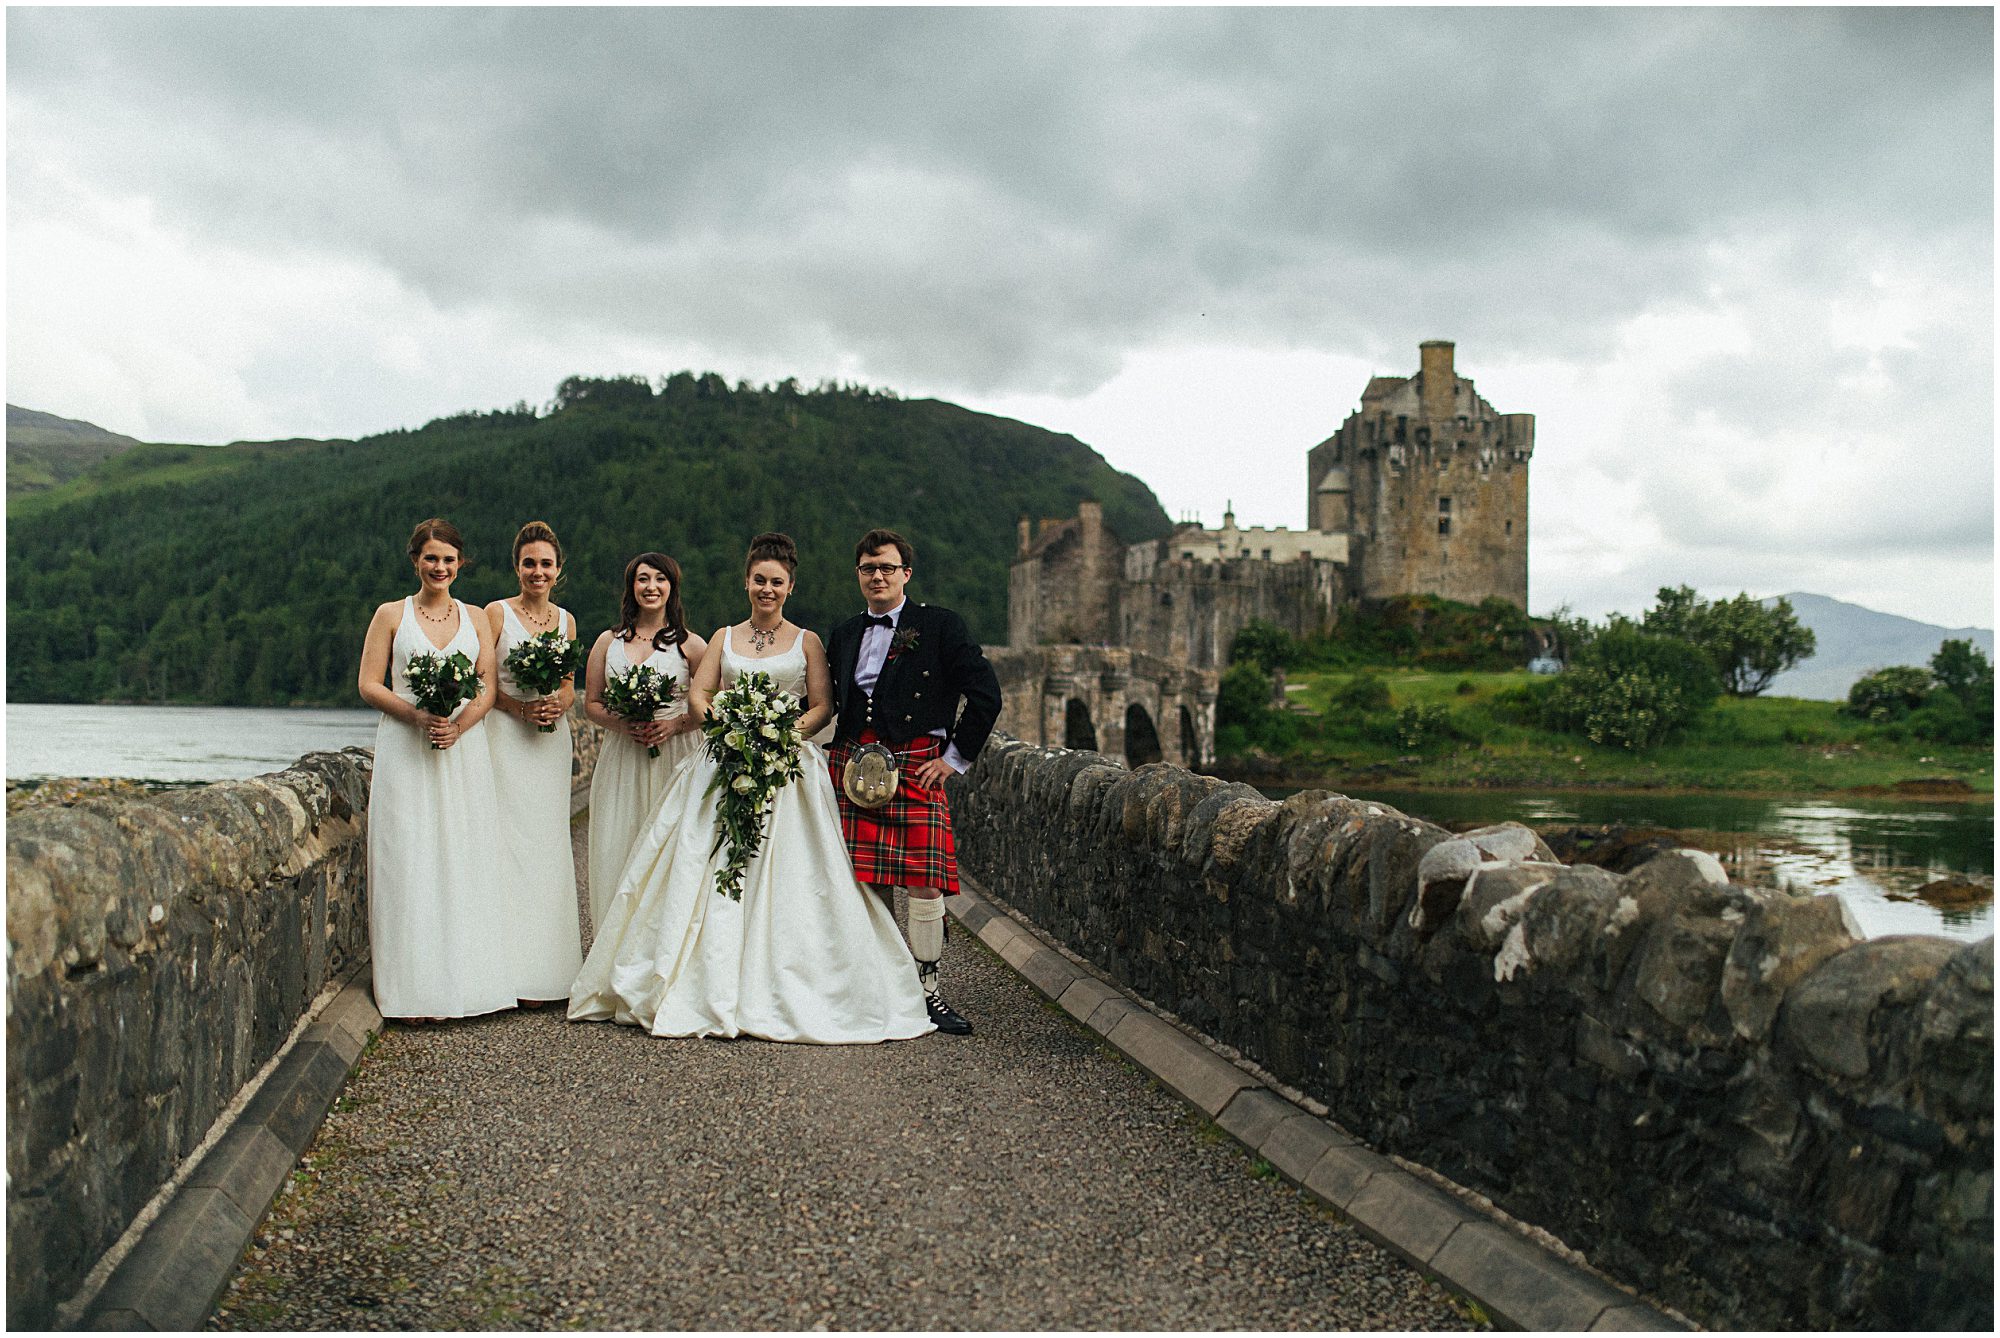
(1872, 853)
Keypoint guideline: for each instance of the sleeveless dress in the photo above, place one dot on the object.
(434, 857)
(807, 955)
(531, 774)
(627, 785)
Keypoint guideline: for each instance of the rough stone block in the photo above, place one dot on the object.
(1406, 1215)
(174, 1275)
(1252, 1113)
(1295, 1145)
(1343, 1169)
(249, 1165)
(1186, 1066)
(1520, 1283)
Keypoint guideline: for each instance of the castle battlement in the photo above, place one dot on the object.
(1422, 490)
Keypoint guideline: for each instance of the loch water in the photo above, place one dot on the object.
(1871, 852)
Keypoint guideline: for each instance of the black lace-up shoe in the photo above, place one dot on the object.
(946, 1021)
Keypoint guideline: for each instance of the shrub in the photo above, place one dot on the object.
(1264, 644)
(1243, 697)
(1631, 689)
(1887, 694)
(1418, 726)
(1361, 695)
(1466, 687)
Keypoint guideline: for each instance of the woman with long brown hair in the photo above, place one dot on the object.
(434, 860)
(627, 784)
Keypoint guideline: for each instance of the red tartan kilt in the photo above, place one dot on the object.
(906, 842)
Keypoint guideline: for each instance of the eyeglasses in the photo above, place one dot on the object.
(879, 568)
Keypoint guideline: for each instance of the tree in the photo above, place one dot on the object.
(1963, 671)
(1748, 643)
(1632, 688)
(1264, 644)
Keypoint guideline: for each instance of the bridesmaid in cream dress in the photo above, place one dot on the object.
(531, 772)
(433, 819)
(626, 786)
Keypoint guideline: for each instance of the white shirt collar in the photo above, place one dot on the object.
(895, 615)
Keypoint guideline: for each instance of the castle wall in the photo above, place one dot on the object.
(1037, 687)
(1060, 587)
(1171, 607)
(1714, 1092)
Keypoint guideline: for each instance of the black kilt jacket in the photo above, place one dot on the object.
(921, 686)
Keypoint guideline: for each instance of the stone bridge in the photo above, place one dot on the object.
(1375, 1045)
(1108, 699)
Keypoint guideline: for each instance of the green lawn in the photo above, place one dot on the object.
(1773, 745)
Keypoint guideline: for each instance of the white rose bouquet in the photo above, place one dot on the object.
(752, 734)
(639, 694)
(543, 662)
(441, 682)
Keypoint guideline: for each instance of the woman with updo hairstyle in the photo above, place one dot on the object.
(434, 861)
(626, 786)
(806, 954)
(531, 772)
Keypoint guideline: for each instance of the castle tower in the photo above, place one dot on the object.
(1430, 483)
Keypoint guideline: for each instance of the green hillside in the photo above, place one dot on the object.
(245, 574)
(44, 450)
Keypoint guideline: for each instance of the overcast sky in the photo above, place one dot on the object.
(1738, 262)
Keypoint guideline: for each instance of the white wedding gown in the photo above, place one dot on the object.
(807, 955)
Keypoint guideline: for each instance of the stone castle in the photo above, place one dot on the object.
(1423, 490)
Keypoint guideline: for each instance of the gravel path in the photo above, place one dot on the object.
(521, 1171)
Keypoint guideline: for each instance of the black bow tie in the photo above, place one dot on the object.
(880, 620)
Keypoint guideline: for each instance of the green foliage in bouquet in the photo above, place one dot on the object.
(543, 663)
(752, 733)
(441, 681)
(638, 694)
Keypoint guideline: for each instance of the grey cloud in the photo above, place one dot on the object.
(1062, 181)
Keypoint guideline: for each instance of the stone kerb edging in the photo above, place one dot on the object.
(1712, 1091)
(180, 1265)
(1514, 1280)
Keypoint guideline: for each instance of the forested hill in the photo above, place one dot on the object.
(245, 574)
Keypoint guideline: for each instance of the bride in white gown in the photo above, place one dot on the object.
(808, 954)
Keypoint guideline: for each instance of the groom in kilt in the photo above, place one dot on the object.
(900, 672)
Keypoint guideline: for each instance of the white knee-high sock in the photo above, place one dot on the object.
(927, 938)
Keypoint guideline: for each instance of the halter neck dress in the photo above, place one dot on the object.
(531, 772)
(626, 786)
(434, 861)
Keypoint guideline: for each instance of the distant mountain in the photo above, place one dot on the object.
(245, 574)
(1854, 641)
(44, 450)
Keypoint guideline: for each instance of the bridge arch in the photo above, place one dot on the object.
(1078, 731)
(1142, 741)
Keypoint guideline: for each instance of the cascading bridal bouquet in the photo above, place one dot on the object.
(639, 694)
(442, 681)
(543, 663)
(752, 734)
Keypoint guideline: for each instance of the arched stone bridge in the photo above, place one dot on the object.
(1108, 699)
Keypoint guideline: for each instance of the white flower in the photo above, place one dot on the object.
(733, 739)
(743, 784)
(769, 731)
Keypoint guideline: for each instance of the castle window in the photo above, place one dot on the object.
(1267, 555)
(1402, 426)
(1188, 554)
(1444, 506)
(1444, 524)
(1166, 599)
(1507, 528)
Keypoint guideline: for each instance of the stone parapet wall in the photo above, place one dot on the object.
(160, 950)
(1715, 1092)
